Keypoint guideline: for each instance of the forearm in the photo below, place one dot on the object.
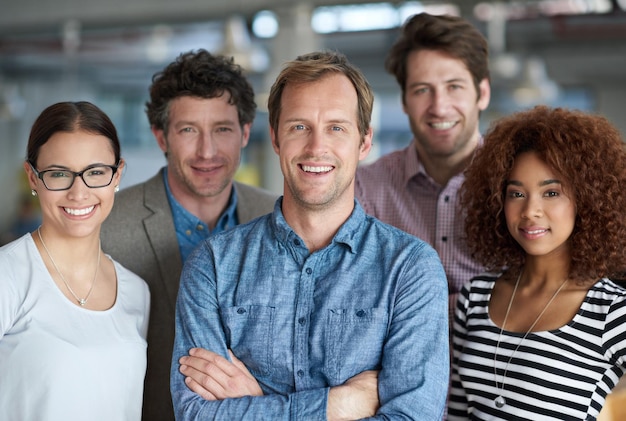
(214, 378)
(305, 405)
(357, 398)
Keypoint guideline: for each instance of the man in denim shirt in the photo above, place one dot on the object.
(316, 311)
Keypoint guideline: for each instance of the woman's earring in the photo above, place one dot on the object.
(33, 192)
(117, 188)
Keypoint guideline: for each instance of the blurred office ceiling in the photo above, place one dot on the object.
(107, 51)
(119, 44)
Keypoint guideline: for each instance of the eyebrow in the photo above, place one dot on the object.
(331, 121)
(541, 184)
(53, 167)
(448, 81)
(227, 122)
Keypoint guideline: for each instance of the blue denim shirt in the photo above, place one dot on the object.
(190, 230)
(374, 298)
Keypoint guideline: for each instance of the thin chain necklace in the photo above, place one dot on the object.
(500, 401)
(81, 301)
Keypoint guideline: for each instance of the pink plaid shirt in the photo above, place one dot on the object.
(397, 190)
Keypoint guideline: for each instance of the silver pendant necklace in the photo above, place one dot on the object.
(81, 301)
(500, 401)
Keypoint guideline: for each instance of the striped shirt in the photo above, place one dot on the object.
(562, 374)
(397, 190)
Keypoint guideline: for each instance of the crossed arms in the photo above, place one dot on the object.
(381, 354)
(213, 377)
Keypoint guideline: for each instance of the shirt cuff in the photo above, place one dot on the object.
(310, 404)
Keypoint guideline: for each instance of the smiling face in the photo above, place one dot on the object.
(319, 144)
(442, 104)
(203, 146)
(540, 214)
(80, 210)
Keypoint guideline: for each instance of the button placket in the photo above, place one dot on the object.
(301, 328)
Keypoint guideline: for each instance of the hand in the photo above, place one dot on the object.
(356, 398)
(215, 378)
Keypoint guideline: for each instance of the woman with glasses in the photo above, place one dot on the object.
(73, 322)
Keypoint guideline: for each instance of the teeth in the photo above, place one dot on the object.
(308, 168)
(79, 212)
(443, 125)
(535, 231)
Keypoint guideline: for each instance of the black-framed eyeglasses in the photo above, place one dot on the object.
(94, 177)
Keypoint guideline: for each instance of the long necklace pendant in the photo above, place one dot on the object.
(500, 401)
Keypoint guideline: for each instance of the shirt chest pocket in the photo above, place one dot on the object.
(249, 332)
(354, 340)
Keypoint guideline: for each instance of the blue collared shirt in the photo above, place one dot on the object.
(190, 230)
(375, 298)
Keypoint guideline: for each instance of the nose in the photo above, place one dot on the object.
(316, 143)
(79, 189)
(532, 208)
(207, 145)
(439, 101)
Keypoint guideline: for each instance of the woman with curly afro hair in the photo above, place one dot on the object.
(542, 335)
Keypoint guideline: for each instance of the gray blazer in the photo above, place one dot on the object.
(139, 233)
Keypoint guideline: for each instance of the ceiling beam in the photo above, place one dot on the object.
(28, 16)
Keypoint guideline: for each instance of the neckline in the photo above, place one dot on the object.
(557, 330)
(58, 291)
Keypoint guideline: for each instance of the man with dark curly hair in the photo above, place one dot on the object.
(542, 335)
(200, 110)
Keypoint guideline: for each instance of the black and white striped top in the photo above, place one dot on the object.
(562, 374)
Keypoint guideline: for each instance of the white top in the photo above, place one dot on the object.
(59, 361)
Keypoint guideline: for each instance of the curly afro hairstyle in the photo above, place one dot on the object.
(588, 152)
(203, 75)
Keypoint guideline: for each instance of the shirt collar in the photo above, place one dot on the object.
(413, 166)
(349, 233)
(183, 218)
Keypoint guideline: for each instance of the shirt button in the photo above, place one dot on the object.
(309, 271)
(300, 373)
(199, 227)
(302, 320)
(296, 242)
(444, 238)
(241, 310)
(446, 199)
(188, 232)
(360, 313)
